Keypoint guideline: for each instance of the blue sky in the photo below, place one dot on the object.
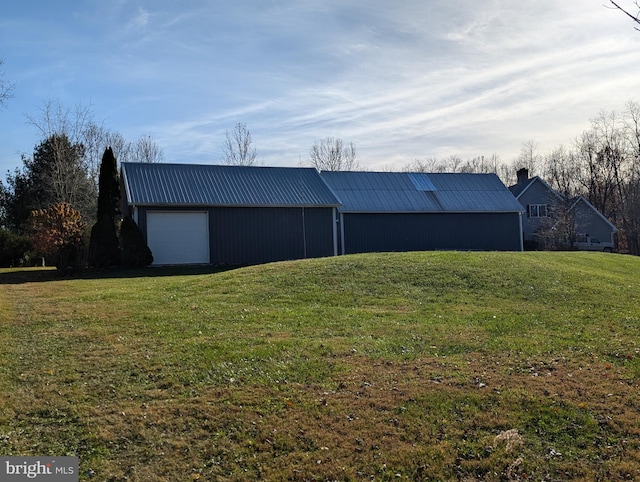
(403, 80)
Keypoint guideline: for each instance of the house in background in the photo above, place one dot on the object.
(551, 219)
(399, 211)
(230, 215)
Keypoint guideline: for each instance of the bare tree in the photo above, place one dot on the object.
(482, 165)
(560, 170)
(93, 140)
(529, 157)
(75, 144)
(145, 149)
(454, 163)
(78, 126)
(428, 164)
(559, 229)
(6, 88)
(330, 154)
(56, 172)
(603, 149)
(238, 147)
(632, 128)
(635, 18)
(508, 173)
(55, 119)
(631, 214)
(67, 134)
(119, 145)
(631, 186)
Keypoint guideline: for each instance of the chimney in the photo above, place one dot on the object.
(523, 175)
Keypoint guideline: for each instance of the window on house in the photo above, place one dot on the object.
(538, 211)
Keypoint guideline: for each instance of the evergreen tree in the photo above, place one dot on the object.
(135, 252)
(108, 186)
(12, 248)
(57, 173)
(104, 249)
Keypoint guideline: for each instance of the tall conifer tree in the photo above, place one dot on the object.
(104, 249)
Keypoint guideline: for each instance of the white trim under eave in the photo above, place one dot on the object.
(521, 232)
(127, 191)
(334, 218)
(344, 249)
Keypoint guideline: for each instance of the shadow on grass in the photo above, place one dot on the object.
(36, 275)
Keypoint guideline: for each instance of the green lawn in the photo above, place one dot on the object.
(407, 366)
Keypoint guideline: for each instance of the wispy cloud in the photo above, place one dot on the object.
(139, 20)
(400, 79)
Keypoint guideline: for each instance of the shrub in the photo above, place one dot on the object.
(58, 234)
(12, 248)
(135, 252)
(103, 247)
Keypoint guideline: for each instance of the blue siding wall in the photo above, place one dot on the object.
(244, 236)
(431, 231)
(260, 235)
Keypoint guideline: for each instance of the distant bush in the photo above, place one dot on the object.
(13, 248)
(135, 252)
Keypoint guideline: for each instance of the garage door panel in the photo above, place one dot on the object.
(178, 237)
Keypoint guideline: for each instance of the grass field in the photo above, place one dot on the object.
(413, 366)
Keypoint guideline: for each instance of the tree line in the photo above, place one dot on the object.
(64, 166)
(48, 203)
(53, 204)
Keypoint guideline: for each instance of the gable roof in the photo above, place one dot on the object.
(161, 184)
(583, 200)
(377, 192)
(519, 189)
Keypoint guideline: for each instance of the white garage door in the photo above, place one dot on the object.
(178, 237)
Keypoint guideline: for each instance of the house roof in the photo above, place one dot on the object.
(378, 192)
(580, 199)
(519, 189)
(218, 185)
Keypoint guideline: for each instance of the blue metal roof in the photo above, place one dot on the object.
(378, 192)
(161, 184)
(421, 181)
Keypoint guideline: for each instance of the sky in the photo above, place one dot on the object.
(402, 80)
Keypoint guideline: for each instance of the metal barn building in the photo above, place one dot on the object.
(396, 211)
(230, 215)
